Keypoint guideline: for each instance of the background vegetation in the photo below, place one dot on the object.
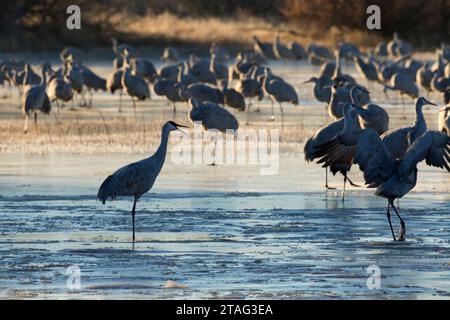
(40, 24)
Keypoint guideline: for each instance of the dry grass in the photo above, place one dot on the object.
(230, 32)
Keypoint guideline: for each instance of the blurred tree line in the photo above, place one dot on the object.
(25, 23)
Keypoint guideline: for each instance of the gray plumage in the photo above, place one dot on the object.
(322, 88)
(212, 116)
(370, 114)
(91, 80)
(134, 85)
(366, 69)
(404, 84)
(265, 49)
(424, 76)
(143, 68)
(278, 89)
(170, 54)
(203, 92)
(397, 141)
(281, 51)
(232, 98)
(392, 177)
(139, 177)
(35, 99)
(297, 50)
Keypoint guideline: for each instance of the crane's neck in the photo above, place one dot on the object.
(337, 72)
(44, 78)
(162, 149)
(420, 123)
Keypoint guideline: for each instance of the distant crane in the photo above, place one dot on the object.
(138, 177)
(444, 120)
(35, 99)
(212, 117)
(279, 90)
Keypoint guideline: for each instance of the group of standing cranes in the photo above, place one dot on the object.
(215, 91)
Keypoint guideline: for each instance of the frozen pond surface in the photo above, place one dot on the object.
(223, 231)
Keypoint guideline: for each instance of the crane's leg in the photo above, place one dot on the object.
(214, 152)
(174, 109)
(25, 129)
(402, 230)
(343, 191)
(389, 219)
(133, 212)
(351, 182)
(91, 95)
(247, 110)
(35, 121)
(120, 101)
(403, 106)
(272, 117)
(326, 180)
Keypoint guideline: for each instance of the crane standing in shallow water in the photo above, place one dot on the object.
(392, 177)
(138, 177)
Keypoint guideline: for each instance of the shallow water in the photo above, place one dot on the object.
(223, 231)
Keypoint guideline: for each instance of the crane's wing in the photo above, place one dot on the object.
(433, 147)
(373, 158)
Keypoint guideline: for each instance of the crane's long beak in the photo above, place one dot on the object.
(431, 103)
(182, 131)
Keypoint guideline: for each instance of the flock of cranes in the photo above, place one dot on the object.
(359, 132)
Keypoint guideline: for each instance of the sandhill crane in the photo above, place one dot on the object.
(348, 50)
(133, 85)
(322, 88)
(72, 52)
(265, 49)
(35, 99)
(203, 92)
(220, 53)
(241, 66)
(318, 54)
(444, 120)
(278, 90)
(170, 54)
(339, 96)
(381, 49)
(366, 68)
(212, 117)
(30, 77)
(392, 177)
(424, 76)
(184, 76)
(219, 69)
(232, 97)
(398, 47)
(447, 97)
(297, 50)
(397, 141)
(144, 68)
(370, 115)
(440, 84)
(169, 72)
(59, 88)
(92, 82)
(171, 89)
(119, 49)
(75, 76)
(138, 177)
(249, 88)
(338, 75)
(114, 82)
(404, 84)
(281, 51)
(327, 69)
(343, 163)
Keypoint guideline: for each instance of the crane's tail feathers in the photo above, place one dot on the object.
(106, 191)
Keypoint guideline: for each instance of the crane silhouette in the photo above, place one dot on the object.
(392, 177)
(137, 178)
